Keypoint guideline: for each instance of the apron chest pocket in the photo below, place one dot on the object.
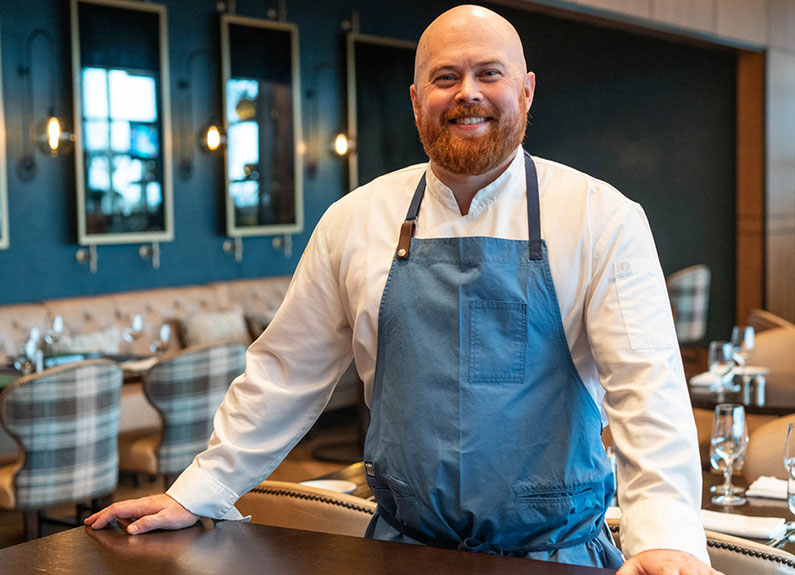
(497, 341)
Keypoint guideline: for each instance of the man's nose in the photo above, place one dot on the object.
(468, 90)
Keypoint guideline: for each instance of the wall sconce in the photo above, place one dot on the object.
(211, 137)
(342, 145)
(51, 136)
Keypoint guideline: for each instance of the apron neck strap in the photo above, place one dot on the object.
(533, 214)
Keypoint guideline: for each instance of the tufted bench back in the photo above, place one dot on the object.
(110, 314)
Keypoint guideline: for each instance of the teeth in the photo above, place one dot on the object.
(469, 120)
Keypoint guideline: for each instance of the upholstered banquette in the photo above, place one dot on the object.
(222, 311)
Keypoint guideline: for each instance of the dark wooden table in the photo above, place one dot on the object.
(234, 547)
(756, 506)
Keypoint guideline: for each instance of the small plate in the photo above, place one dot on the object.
(338, 485)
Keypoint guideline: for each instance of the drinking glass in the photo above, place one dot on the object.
(136, 329)
(743, 344)
(161, 345)
(719, 464)
(56, 330)
(730, 439)
(789, 463)
(720, 360)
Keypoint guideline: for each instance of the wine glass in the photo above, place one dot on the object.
(55, 332)
(743, 344)
(720, 360)
(730, 439)
(719, 465)
(789, 463)
(161, 345)
(136, 329)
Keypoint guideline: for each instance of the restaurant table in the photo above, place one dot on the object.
(755, 506)
(236, 547)
(133, 366)
(702, 398)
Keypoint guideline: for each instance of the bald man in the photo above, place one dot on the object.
(500, 309)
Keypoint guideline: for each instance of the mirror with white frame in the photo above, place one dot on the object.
(122, 122)
(4, 239)
(262, 120)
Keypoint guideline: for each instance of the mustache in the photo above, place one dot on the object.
(463, 110)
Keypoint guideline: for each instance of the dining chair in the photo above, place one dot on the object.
(65, 420)
(766, 449)
(775, 350)
(185, 387)
(285, 504)
(688, 290)
(736, 555)
(763, 320)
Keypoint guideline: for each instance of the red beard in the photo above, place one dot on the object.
(474, 155)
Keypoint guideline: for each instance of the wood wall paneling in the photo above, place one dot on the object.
(781, 24)
(690, 14)
(750, 182)
(780, 204)
(744, 20)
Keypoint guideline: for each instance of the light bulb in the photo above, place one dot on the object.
(53, 133)
(341, 144)
(213, 138)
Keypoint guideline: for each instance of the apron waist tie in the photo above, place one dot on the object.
(476, 546)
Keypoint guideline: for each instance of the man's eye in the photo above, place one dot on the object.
(491, 74)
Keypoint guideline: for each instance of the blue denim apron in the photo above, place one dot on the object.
(483, 436)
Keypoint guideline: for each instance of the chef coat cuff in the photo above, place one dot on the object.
(202, 494)
(662, 523)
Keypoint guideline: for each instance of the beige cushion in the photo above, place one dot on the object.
(775, 349)
(285, 504)
(202, 328)
(138, 451)
(762, 320)
(766, 450)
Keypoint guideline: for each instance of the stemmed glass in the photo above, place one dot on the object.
(55, 332)
(136, 329)
(742, 344)
(789, 463)
(720, 360)
(161, 345)
(730, 439)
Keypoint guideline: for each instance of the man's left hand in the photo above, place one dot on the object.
(665, 562)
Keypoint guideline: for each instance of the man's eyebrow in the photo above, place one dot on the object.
(452, 67)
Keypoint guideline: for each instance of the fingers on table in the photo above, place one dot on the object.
(130, 509)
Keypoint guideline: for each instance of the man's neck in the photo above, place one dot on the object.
(464, 187)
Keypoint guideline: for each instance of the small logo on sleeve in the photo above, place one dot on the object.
(369, 469)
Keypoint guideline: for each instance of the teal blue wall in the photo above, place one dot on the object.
(654, 118)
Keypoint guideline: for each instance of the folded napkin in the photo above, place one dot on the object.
(769, 487)
(136, 365)
(740, 525)
(743, 525)
(708, 379)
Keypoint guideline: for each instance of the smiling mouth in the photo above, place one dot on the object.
(469, 120)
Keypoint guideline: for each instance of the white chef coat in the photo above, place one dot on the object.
(615, 313)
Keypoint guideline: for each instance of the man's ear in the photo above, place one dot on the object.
(413, 94)
(529, 89)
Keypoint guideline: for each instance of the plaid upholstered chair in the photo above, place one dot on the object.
(185, 387)
(688, 290)
(66, 422)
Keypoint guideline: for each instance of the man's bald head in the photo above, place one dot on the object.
(468, 23)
